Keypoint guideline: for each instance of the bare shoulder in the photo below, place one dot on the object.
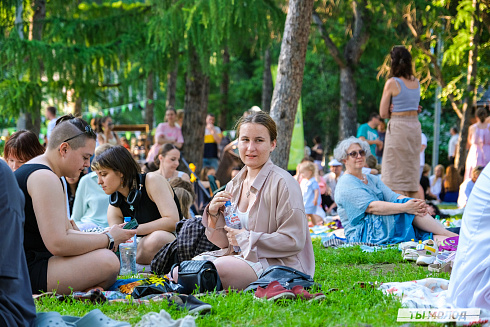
(155, 180)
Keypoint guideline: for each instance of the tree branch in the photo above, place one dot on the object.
(332, 48)
(360, 36)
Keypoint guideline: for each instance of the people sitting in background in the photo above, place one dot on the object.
(59, 256)
(311, 193)
(179, 182)
(208, 179)
(166, 133)
(16, 304)
(185, 201)
(370, 211)
(469, 286)
(146, 197)
(467, 186)
(425, 183)
(333, 176)
(21, 147)
(436, 182)
(91, 202)
(125, 143)
(372, 166)
(106, 133)
(167, 162)
(451, 184)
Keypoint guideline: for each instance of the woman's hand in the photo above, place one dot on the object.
(120, 235)
(232, 233)
(218, 201)
(416, 207)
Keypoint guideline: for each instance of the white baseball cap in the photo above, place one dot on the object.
(334, 162)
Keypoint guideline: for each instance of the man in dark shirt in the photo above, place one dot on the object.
(16, 304)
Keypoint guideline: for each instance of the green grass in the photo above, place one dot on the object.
(335, 268)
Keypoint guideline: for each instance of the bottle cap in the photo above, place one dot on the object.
(412, 239)
(227, 204)
(420, 241)
(127, 219)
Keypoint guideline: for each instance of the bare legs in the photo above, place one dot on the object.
(315, 219)
(78, 273)
(233, 272)
(151, 244)
(429, 224)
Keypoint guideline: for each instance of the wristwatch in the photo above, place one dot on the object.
(111, 241)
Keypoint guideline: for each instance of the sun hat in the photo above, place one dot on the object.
(334, 162)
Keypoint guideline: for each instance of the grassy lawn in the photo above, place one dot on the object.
(335, 268)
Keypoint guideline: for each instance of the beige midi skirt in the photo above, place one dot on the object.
(400, 169)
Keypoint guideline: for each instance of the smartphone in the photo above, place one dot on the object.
(132, 224)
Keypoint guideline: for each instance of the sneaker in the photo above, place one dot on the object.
(189, 302)
(410, 253)
(274, 291)
(427, 252)
(404, 246)
(301, 293)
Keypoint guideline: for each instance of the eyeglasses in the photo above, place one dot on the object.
(88, 130)
(354, 154)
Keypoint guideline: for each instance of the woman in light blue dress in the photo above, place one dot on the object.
(372, 212)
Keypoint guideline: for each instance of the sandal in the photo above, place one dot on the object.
(93, 319)
(441, 267)
(50, 319)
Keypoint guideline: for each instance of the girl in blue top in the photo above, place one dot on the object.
(311, 193)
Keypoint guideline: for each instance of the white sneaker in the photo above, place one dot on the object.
(407, 245)
(427, 252)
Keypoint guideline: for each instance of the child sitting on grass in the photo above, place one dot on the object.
(311, 193)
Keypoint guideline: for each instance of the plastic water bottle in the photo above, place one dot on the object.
(231, 219)
(127, 254)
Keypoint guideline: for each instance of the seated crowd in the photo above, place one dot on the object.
(272, 206)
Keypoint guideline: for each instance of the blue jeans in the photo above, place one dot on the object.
(210, 162)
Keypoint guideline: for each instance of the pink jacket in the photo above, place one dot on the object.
(278, 229)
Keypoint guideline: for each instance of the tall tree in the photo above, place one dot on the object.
(290, 76)
(347, 60)
(267, 87)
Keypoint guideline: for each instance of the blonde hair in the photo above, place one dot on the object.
(185, 200)
(309, 166)
(436, 178)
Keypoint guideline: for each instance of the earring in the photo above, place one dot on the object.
(122, 182)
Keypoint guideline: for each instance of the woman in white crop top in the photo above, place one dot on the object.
(400, 103)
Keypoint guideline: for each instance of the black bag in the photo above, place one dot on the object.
(197, 274)
(286, 276)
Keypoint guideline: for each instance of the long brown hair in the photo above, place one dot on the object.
(452, 180)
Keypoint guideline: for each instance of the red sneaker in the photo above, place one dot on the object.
(301, 293)
(274, 291)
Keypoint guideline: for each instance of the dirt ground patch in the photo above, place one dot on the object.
(381, 268)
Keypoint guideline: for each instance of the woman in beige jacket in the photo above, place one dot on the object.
(269, 204)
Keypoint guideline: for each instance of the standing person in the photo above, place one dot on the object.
(212, 137)
(21, 147)
(311, 194)
(106, 134)
(146, 197)
(16, 305)
(317, 152)
(167, 162)
(478, 143)
(381, 137)
(401, 165)
(367, 132)
(270, 207)
(58, 255)
(51, 116)
(422, 152)
(166, 133)
(453, 143)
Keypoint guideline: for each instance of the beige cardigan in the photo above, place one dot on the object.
(278, 229)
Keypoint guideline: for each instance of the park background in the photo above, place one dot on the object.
(133, 59)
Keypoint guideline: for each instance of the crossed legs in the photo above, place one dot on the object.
(149, 245)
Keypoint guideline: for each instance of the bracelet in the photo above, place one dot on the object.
(209, 213)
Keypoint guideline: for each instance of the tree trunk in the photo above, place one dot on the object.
(224, 89)
(290, 76)
(150, 104)
(32, 120)
(348, 103)
(195, 109)
(78, 107)
(267, 86)
(172, 86)
(471, 87)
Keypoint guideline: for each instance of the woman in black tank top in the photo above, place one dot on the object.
(51, 240)
(146, 197)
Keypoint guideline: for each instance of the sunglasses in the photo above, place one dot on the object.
(354, 154)
(88, 130)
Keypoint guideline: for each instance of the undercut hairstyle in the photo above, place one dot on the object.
(482, 114)
(340, 151)
(23, 145)
(261, 118)
(164, 149)
(185, 200)
(120, 160)
(401, 62)
(69, 126)
(179, 182)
